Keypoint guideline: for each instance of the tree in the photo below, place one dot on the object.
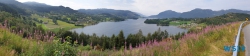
(140, 34)
(166, 34)
(41, 21)
(55, 21)
(34, 24)
(121, 39)
(113, 40)
(149, 37)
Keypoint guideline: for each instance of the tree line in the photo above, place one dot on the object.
(115, 41)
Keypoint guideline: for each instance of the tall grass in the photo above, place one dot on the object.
(13, 45)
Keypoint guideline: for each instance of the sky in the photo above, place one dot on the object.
(149, 7)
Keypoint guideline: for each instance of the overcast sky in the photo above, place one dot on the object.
(150, 7)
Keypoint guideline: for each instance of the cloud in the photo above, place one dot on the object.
(150, 7)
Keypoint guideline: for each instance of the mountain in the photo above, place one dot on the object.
(196, 13)
(36, 4)
(17, 6)
(54, 9)
(120, 13)
(167, 12)
(28, 8)
(44, 8)
(10, 2)
(6, 8)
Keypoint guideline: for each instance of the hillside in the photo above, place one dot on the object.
(55, 13)
(217, 20)
(28, 8)
(36, 4)
(120, 13)
(196, 13)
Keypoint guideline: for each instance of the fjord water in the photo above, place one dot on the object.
(130, 26)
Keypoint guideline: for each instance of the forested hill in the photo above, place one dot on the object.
(36, 4)
(28, 8)
(62, 13)
(196, 13)
(8, 9)
(217, 20)
(120, 13)
(31, 7)
(44, 8)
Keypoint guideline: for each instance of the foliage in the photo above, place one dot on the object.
(209, 41)
(13, 44)
(167, 21)
(226, 18)
(113, 42)
(117, 13)
(23, 35)
(218, 20)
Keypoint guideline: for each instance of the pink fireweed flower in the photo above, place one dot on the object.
(82, 43)
(130, 46)
(62, 53)
(20, 31)
(143, 45)
(76, 41)
(125, 46)
(114, 47)
(60, 39)
(51, 39)
(38, 43)
(136, 46)
(155, 42)
(91, 44)
(5, 23)
(64, 41)
(149, 42)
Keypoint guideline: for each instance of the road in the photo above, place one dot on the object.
(246, 31)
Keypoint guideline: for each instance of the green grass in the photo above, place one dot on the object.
(52, 26)
(14, 45)
(179, 22)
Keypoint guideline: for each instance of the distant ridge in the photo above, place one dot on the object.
(28, 8)
(120, 13)
(196, 13)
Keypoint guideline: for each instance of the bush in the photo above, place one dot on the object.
(87, 47)
(59, 49)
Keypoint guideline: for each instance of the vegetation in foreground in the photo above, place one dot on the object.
(22, 35)
(202, 41)
(209, 42)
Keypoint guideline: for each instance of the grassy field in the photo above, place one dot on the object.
(179, 22)
(51, 25)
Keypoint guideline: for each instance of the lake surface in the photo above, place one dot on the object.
(129, 26)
